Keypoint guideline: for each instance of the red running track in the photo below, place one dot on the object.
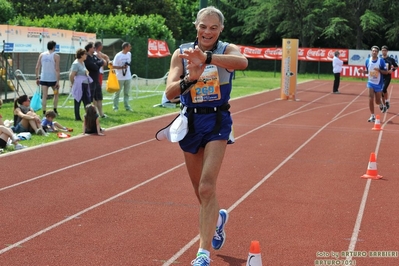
(291, 181)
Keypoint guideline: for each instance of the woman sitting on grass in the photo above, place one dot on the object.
(91, 121)
(5, 134)
(25, 119)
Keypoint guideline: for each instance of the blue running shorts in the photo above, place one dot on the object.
(203, 131)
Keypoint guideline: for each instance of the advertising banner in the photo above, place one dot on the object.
(157, 48)
(18, 39)
(304, 54)
(289, 69)
(358, 57)
(352, 71)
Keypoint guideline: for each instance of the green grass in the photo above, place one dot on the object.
(244, 83)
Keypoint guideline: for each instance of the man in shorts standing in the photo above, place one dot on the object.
(376, 68)
(49, 63)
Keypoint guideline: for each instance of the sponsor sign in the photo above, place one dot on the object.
(157, 48)
(304, 54)
(18, 39)
(358, 57)
(352, 71)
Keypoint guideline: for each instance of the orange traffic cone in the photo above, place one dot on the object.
(372, 168)
(377, 123)
(254, 257)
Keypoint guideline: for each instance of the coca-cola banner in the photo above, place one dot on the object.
(157, 48)
(304, 54)
(321, 54)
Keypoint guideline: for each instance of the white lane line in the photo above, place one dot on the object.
(74, 165)
(85, 210)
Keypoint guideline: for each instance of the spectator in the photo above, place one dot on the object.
(49, 63)
(49, 125)
(25, 119)
(121, 64)
(91, 122)
(6, 133)
(337, 67)
(80, 81)
(93, 65)
(98, 47)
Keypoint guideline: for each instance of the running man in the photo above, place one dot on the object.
(391, 67)
(375, 67)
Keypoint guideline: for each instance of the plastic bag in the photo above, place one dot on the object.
(112, 82)
(36, 101)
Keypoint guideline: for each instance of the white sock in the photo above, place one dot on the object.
(203, 251)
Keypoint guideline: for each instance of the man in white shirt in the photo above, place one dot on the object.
(49, 63)
(337, 67)
(121, 64)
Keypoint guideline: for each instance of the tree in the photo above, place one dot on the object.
(7, 11)
(152, 26)
(388, 10)
(165, 8)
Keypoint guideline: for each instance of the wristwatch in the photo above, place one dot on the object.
(185, 84)
(208, 57)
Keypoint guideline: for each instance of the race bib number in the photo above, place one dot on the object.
(207, 87)
(374, 74)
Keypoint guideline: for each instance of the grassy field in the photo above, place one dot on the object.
(244, 83)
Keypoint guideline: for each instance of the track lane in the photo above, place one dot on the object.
(248, 152)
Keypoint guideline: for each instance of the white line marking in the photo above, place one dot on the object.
(74, 165)
(85, 210)
(359, 218)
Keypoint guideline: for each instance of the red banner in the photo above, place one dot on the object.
(304, 54)
(157, 48)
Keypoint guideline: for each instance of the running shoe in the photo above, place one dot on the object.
(371, 119)
(201, 260)
(381, 107)
(220, 236)
(387, 105)
(384, 109)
